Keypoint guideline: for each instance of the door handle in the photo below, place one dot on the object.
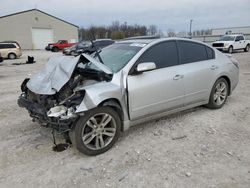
(213, 67)
(178, 76)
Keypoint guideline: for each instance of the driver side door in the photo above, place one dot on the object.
(157, 90)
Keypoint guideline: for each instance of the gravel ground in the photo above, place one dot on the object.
(194, 148)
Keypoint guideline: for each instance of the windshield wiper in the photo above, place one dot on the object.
(97, 52)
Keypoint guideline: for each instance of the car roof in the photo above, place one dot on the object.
(7, 43)
(103, 40)
(148, 41)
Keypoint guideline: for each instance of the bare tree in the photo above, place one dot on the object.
(171, 33)
(152, 30)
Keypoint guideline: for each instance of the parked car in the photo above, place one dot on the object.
(11, 41)
(10, 50)
(139, 80)
(229, 43)
(59, 45)
(87, 47)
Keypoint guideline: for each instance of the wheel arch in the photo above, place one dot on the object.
(12, 53)
(115, 104)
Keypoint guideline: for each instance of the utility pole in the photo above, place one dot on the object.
(190, 31)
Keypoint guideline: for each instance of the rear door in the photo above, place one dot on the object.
(238, 43)
(156, 90)
(199, 66)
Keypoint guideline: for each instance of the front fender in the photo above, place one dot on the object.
(97, 93)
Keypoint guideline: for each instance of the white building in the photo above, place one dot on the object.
(34, 29)
(229, 30)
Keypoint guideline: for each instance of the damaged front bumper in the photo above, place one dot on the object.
(40, 114)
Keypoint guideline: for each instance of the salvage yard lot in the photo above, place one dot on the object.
(195, 148)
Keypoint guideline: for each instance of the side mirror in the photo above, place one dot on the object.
(142, 67)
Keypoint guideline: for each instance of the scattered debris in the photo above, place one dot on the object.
(30, 60)
(123, 176)
(230, 153)
(86, 169)
(60, 147)
(158, 133)
(178, 137)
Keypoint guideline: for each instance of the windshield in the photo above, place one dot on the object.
(227, 38)
(83, 44)
(116, 56)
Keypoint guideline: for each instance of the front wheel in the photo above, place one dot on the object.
(218, 94)
(247, 48)
(96, 131)
(230, 49)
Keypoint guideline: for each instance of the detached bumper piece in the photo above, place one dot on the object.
(39, 114)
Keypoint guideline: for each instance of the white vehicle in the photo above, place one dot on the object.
(229, 43)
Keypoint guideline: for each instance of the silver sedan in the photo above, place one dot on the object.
(92, 99)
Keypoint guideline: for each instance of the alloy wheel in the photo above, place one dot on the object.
(220, 93)
(99, 131)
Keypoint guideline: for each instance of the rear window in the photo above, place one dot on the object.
(192, 52)
(210, 53)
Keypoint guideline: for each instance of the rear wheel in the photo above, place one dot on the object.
(230, 49)
(218, 94)
(12, 56)
(96, 131)
(55, 49)
(247, 48)
(72, 53)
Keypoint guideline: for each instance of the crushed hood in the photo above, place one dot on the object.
(57, 73)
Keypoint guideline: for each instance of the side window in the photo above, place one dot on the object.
(210, 53)
(10, 46)
(163, 55)
(237, 38)
(241, 37)
(1, 46)
(192, 52)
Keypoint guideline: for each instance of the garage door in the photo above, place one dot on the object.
(41, 37)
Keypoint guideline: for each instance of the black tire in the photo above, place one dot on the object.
(230, 49)
(72, 53)
(81, 129)
(55, 49)
(12, 56)
(247, 48)
(212, 101)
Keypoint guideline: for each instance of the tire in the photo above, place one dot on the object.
(72, 53)
(230, 49)
(247, 48)
(12, 56)
(90, 136)
(55, 49)
(218, 95)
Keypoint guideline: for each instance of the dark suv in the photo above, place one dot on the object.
(87, 47)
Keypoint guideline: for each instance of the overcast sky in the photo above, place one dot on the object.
(166, 14)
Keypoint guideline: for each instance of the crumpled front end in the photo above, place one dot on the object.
(51, 97)
(48, 111)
